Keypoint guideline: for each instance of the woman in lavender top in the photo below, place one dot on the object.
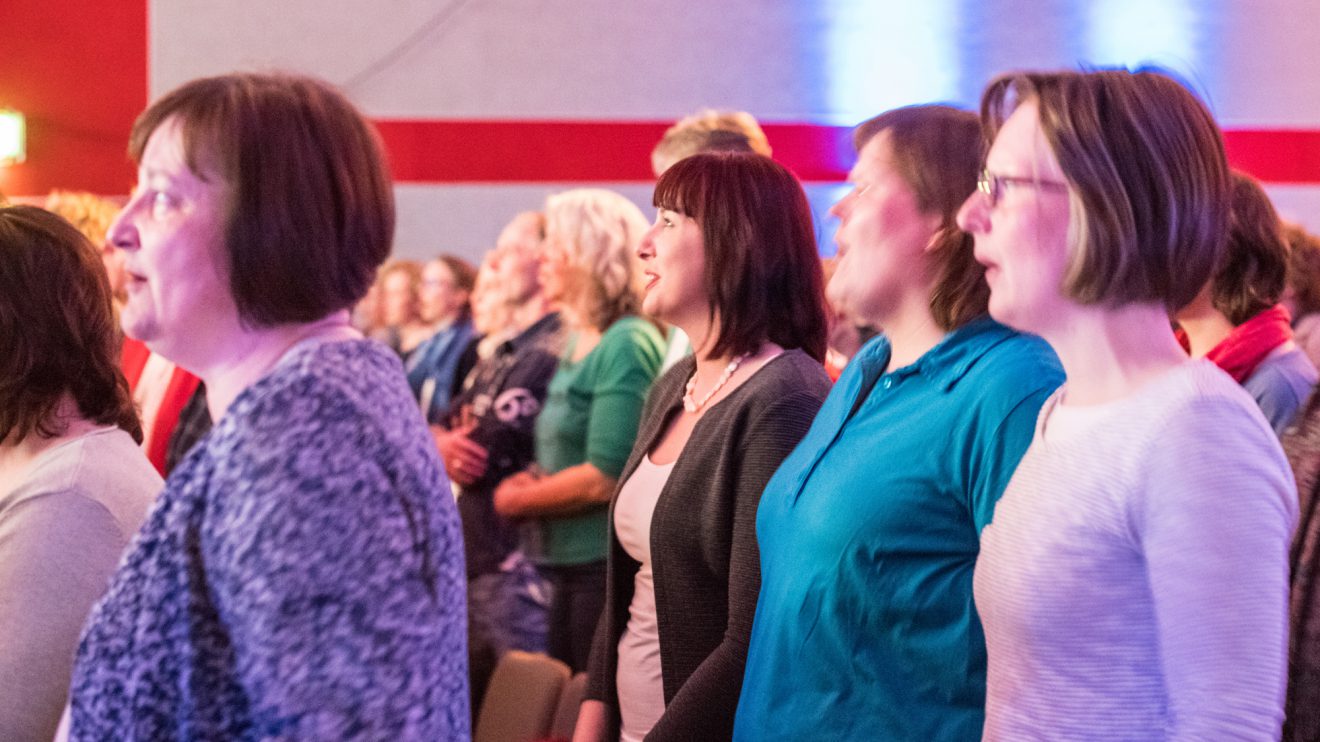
(1133, 583)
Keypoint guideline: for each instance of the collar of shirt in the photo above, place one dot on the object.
(945, 364)
(547, 325)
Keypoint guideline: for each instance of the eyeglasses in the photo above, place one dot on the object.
(994, 185)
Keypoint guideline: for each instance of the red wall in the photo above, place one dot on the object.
(77, 70)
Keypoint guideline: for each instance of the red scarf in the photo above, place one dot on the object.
(1250, 342)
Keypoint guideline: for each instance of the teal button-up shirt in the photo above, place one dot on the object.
(865, 626)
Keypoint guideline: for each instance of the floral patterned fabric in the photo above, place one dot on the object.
(301, 576)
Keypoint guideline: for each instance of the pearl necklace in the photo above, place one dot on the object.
(692, 405)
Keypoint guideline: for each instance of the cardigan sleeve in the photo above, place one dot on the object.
(703, 708)
(659, 401)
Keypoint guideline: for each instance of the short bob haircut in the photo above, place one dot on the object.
(599, 231)
(937, 150)
(59, 329)
(762, 271)
(310, 206)
(1254, 268)
(1147, 175)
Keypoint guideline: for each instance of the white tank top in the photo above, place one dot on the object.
(641, 691)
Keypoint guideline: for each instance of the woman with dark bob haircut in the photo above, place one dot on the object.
(1238, 321)
(869, 531)
(1134, 582)
(74, 485)
(731, 260)
(301, 576)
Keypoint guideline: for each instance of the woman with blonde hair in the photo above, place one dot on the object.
(587, 427)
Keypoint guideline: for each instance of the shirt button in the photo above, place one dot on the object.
(887, 383)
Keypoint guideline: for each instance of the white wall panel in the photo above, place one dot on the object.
(821, 61)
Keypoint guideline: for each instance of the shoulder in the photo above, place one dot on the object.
(1024, 356)
(792, 378)
(357, 375)
(103, 472)
(632, 331)
(630, 344)
(1208, 441)
(1015, 369)
(1292, 370)
(1200, 412)
(335, 403)
(781, 398)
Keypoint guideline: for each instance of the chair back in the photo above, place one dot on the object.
(521, 698)
(570, 700)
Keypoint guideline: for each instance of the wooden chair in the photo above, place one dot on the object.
(570, 700)
(521, 699)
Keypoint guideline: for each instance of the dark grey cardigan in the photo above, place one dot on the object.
(706, 566)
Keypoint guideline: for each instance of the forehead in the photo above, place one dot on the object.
(1020, 146)
(165, 156)
(164, 150)
(397, 281)
(437, 269)
(876, 156)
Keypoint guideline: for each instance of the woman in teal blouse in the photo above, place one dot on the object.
(587, 427)
(865, 625)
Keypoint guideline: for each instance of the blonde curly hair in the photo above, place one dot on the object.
(598, 231)
(88, 212)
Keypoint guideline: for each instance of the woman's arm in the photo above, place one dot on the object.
(626, 366)
(57, 552)
(1214, 524)
(526, 495)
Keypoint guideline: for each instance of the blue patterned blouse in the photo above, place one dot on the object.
(301, 576)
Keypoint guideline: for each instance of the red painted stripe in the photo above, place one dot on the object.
(578, 151)
(581, 151)
(71, 145)
(1276, 155)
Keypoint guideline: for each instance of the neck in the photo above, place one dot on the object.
(441, 323)
(1108, 354)
(529, 312)
(1205, 327)
(253, 353)
(16, 458)
(911, 330)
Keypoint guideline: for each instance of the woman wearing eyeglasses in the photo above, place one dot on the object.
(869, 531)
(1133, 584)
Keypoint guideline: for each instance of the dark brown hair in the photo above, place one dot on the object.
(1253, 271)
(938, 151)
(310, 207)
(58, 328)
(762, 270)
(1147, 175)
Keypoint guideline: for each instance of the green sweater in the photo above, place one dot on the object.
(591, 413)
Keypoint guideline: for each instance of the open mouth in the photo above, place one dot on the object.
(651, 280)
